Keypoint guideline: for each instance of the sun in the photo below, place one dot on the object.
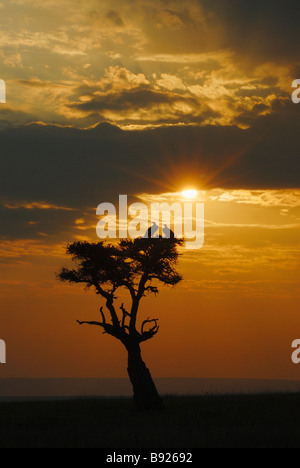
(189, 194)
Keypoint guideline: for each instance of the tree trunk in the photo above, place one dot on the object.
(145, 393)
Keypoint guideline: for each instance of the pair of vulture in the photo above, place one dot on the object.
(169, 234)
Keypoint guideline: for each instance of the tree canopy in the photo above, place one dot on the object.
(138, 265)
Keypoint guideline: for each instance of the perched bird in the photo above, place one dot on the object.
(151, 231)
(168, 232)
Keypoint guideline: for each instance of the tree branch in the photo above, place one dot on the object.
(130, 288)
(103, 316)
(149, 321)
(101, 291)
(136, 302)
(113, 314)
(152, 289)
(125, 314)
(117, 332)
(109, 296)
(146, 335)
(142, 283)
(91, 323)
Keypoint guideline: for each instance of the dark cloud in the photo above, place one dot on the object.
(255, 31)
(162, 107)
(35, 224)
(69, 166)
(12, 118)
(74, 168)
(132, 99)
(115, 18)
(260, 30)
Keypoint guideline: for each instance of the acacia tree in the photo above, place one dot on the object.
(139, 266)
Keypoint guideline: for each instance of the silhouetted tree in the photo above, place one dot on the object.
(139, 266)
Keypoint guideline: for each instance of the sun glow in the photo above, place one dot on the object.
(191, 193)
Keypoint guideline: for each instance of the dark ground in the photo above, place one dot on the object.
(267, 421)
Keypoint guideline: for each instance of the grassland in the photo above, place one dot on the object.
(266, 421)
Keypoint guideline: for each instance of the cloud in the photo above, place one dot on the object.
(270, 202)
(12, 60)
(170, 19)
(195, 63)
(58, 43)
(265, 198)
(213, 224)
(255, 288)
(53, 176)
(130, 105)
(171, 82)
(127, 98)
(251, 29)
(218, 98)
(115, 18)
(34, 205)
(47, 162)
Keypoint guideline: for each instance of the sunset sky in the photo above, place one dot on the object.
(149, 98)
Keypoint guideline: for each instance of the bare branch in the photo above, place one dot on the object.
(91, 323)
(117, 332)
(125, 314)
(142, 283)
(130, 288)
(149, 321)
(102, 314)
(152, 289)
(124, 310)
(113, 314)
(147, 335)
(136, 302)
(99, 290)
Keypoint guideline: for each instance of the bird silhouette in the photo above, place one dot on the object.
(151, 231)
(168, 232)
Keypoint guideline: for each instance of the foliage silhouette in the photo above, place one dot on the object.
(139, 266)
